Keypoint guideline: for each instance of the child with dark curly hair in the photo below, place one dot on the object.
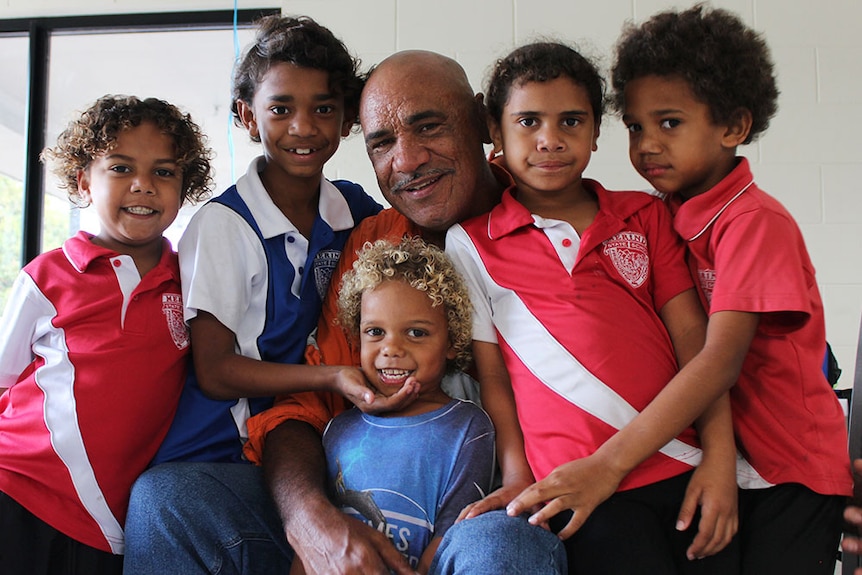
(256, 263)
(257, 259)
(408, 473)
(93, 348)
(587, 341)
(692, 86)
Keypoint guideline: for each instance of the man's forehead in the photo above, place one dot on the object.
(382, 110)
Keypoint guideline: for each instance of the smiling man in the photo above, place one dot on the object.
(424, 129)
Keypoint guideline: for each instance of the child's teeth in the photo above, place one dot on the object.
(140, 210)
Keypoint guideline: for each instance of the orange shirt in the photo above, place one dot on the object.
(333, 346)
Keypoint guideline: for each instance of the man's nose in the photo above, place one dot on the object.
(409, 155)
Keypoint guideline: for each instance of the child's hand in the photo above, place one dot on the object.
(580, 485)
(851, 542)
(351, 383)
(498, 499)
(712, 487)
(374, 403)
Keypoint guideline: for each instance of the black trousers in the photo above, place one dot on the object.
(29, 546)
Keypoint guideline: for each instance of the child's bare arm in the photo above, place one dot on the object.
(225, 374)
(713, 485)
(427, 556)
(498, 401)
(703, 380)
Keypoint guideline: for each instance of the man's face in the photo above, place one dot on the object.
(425, 144)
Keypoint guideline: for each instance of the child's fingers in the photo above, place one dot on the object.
(526, 500)
(395, 402)
(715, 530)
(474, 510)
(687, 511)
(556, 506)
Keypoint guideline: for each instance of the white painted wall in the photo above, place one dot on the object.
(811, 158)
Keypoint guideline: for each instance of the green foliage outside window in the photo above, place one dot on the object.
(56, 230)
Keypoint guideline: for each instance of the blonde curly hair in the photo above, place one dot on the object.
(421, 266)
(96, 130)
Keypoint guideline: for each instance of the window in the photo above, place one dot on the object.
(13, 103)
(184, 58)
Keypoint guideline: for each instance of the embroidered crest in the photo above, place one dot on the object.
(628, 252)
(324, 264)
(172, 307)
(707, 283)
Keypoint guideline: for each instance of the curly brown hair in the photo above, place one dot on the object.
(305, 43)
(422, 266)
(95, 132)
(727, 64)
(542, 62)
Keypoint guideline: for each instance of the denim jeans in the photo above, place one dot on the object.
(218, 518)
(215, 518)
(494, 543)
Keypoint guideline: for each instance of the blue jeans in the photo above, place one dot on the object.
(213, 518)
(494, 543)
(218, 518)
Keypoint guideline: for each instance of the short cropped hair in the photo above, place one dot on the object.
(422, 266)
(302, 42)
(727, 64)
(542, 62)
(96, 130)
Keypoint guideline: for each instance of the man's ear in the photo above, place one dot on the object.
(246, 116)
(738, 128)
(598, 131)
(482, 117)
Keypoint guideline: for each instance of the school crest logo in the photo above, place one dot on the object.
(324, 264)
(707, 283)
(628, 252)
(172, 307)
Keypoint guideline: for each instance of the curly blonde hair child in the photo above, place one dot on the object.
(423, 267)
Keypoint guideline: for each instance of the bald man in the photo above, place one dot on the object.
(424, 129)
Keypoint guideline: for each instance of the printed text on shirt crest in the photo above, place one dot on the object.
(630, 256)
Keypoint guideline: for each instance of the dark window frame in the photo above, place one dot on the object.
(39, 31)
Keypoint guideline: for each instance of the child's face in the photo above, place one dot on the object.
(298, 120)
(135, 188)
(403, 336)
(673, 141)
(547, 133)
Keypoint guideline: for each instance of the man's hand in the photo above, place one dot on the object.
(340, 545)
(327, 541)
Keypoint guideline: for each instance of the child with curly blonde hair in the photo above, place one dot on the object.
(93, 348)
(408, 473)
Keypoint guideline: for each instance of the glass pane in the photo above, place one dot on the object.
(13, 104)
(189, 68)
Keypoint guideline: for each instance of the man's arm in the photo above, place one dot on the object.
(324, 539)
